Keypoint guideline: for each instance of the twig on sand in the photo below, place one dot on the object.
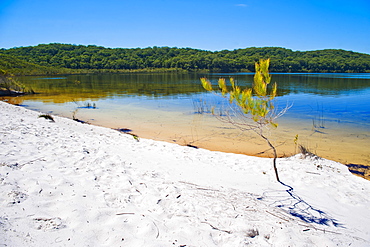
(277, 216)
(313, 173)
(318, 229)
(200, 188)
(124, 213)
(19, 166)
(215, 228)
(197, 186)
(157, 229)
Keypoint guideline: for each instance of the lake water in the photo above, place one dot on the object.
(330, 113)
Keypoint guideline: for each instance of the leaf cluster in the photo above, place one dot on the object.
(256, 101)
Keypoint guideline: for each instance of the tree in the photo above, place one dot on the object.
(251, 108)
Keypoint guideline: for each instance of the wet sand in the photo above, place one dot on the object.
(205, 131)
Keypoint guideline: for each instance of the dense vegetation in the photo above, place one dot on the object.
(64, 58)
(16, 65)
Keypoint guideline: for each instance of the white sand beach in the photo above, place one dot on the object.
(65, 183)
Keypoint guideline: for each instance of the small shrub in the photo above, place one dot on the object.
(306, 152)
(252, 233)
(136, 137)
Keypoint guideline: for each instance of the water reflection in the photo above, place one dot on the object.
(110, 85)
(323, 84)
(337, 97)
(162, 85)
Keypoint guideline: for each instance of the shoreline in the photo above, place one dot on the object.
(246, 143)
(344, 145)
(73, 184)
(358, 169)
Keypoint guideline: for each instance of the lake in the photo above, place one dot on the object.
(330, 113)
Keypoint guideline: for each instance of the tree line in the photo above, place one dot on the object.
(66, 58)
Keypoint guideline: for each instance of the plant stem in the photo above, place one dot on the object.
(275, 155)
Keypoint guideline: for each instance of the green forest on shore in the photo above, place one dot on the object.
(70, 59)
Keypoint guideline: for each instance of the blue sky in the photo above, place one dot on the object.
(202, 24)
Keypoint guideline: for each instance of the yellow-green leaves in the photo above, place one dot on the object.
(257, 100)
(222, 86)
(254, 103)
(274, 125)
(296, 139)
(273, 91)
(206, 84)
(261, 78)
(262, 71)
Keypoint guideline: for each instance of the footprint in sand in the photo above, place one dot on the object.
(48, 224)
(16, 197)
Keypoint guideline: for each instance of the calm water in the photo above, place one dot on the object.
(329, 112)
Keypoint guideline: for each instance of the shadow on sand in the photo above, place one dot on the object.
(293, 204)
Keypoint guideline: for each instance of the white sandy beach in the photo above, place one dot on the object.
(64, 183)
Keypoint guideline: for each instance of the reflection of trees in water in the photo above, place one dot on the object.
(320, 84)
(82, 87)
(104, 86)
(13, 100)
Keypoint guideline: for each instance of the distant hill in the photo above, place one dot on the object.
(65, 58)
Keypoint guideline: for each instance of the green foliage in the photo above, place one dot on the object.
(64, 58)
(20, 66)
(256, 102)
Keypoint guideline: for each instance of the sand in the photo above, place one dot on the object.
(65, 183)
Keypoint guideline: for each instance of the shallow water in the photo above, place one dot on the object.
(329, 112)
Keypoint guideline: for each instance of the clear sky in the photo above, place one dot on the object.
(203, 24)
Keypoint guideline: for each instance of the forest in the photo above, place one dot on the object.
(66, 58)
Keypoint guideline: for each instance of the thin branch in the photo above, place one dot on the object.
(215, 228)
